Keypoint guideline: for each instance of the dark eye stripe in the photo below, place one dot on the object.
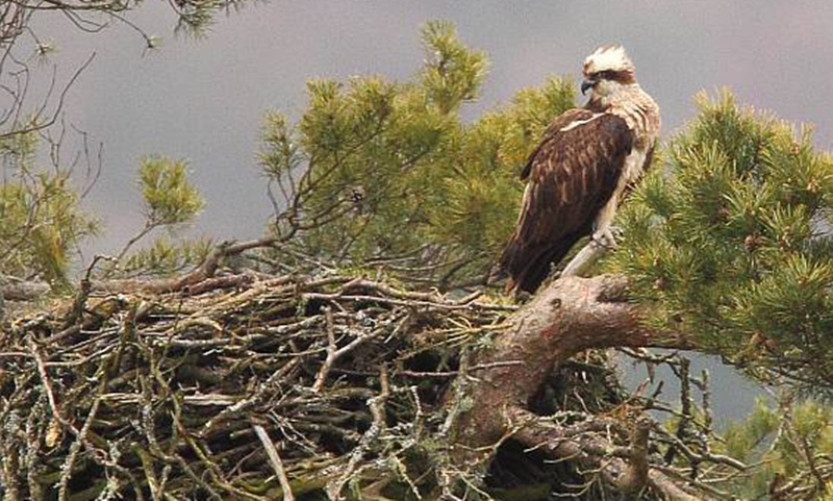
(606, 75)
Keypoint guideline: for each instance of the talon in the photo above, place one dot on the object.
(604, 239)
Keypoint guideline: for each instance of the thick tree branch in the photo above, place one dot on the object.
(24, 290)
(570, 316)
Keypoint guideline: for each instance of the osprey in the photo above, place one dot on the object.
(580, 171)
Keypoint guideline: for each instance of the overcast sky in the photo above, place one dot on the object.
(203, 99)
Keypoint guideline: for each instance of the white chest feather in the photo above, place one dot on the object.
(632, 171)
(634, 167)
(641, 114)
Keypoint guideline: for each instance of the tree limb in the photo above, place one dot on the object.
(569, 316)
(24, 290)
(586, 258)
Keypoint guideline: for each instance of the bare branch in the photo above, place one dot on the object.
(37, 124)
(276, 462)
(626, 469)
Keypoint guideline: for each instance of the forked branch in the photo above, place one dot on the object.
(570, 316)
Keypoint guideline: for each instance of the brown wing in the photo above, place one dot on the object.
(571, 175)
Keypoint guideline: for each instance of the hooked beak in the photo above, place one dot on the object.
(587, 84)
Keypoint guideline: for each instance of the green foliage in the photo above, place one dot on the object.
(170, 201)
(166, 257)
(744, 439)
(384, 172)
(168, 195)
(784, 442)
(41, 221)
(729, 241)
(453, 73)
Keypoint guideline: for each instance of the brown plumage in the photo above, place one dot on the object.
(577, 175)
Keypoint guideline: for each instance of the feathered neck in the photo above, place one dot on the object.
(617, 96)
(631, 103)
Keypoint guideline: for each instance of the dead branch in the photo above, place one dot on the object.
(24, 290)
(625, 468)
(194, 282)
(365, 385)
(275, 460)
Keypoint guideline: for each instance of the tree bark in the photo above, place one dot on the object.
(24, 290)
(570, 316)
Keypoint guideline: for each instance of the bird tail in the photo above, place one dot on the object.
(528, 266)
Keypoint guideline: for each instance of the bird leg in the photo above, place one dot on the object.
(604, 237)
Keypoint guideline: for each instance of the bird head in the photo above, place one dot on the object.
(607, 70)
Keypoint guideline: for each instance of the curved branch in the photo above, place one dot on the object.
(570, 316)
(24, 290)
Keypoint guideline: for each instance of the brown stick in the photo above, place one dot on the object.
(24, 291)
(275, 461)
(206, 270)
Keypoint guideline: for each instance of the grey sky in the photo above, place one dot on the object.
(203, 100)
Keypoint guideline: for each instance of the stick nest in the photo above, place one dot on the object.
(263, 387)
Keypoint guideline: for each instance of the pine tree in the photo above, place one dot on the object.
(381, 173)
(726, 243)
(41, 221)
(378, 384)
(729, 241)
